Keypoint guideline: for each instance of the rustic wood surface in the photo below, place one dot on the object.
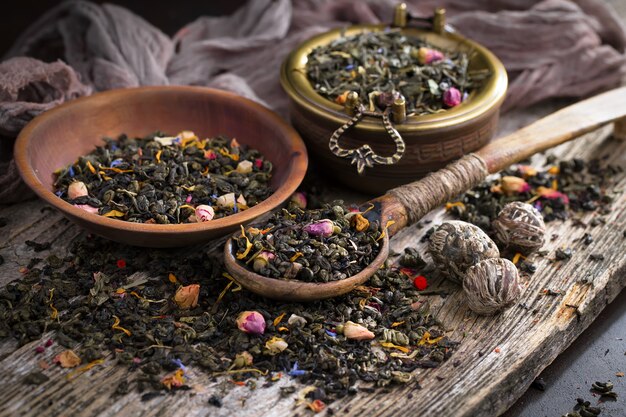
(485, 381)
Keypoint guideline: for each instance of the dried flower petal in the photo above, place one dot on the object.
(77, 189)
(187, 297)
(87, 208)
(226, 200)
(356, 331)
(251, 322)
(359, 223)
(244, 167)
(67, 359)
(276, 345)
(174, 380)
(296, 321)
(420, 282)
(317, 405)
(204, 213)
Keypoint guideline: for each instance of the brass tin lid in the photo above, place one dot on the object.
(295, 82)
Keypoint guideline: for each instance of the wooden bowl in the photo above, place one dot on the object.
(432, 141)
(58, 137)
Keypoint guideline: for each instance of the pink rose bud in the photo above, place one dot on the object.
(251, 322)
(298, 199)
(551, 194)
(322, 228)
(187, 297)
(210, 154)
(513, 185)
(258, 163)
(451, 97)
(77, 189)
(87, 208)
(261, 260)
(204, 213)
(355, 331)
(188, 199)
(427, 55)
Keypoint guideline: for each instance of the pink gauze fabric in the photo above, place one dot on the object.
(551, 48)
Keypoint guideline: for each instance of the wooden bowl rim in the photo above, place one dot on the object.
(294, 174)
(296, 85)
(300, 291)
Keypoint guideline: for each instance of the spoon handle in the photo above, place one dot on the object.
(408, 203)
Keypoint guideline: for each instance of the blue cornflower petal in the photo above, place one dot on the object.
(331, 334)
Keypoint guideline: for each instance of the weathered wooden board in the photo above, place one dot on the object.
(484, 382)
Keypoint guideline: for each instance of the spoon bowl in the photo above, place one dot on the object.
(294, 290)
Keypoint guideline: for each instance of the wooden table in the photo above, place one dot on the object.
(485, 382)
(497, 360)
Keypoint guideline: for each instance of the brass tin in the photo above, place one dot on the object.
(431, 140)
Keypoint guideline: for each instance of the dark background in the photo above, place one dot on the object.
(169, 16)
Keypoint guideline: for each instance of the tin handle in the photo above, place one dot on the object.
(364, 156)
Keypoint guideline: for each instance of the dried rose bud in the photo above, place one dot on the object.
(204, 213)
(242, 200)
(261, 260)
(428, 55)
(324, 228)
(551, 194)
(234, 143)
(510, 185)
(276, 345)
(298, 199)
(244, 167)
(226, 200)
(251, 322)
(209, 154)
(77, 189)
(242, 360)
(527, 170)
(452, 97)
(87, 208)
(187, 297)
(355, 331)
(491, 286)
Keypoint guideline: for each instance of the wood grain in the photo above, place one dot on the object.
(484, 382)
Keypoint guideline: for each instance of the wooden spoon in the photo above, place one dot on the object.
(405, 205)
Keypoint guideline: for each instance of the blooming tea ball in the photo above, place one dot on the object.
(457, 245)
(491, 286)
(520, 226)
